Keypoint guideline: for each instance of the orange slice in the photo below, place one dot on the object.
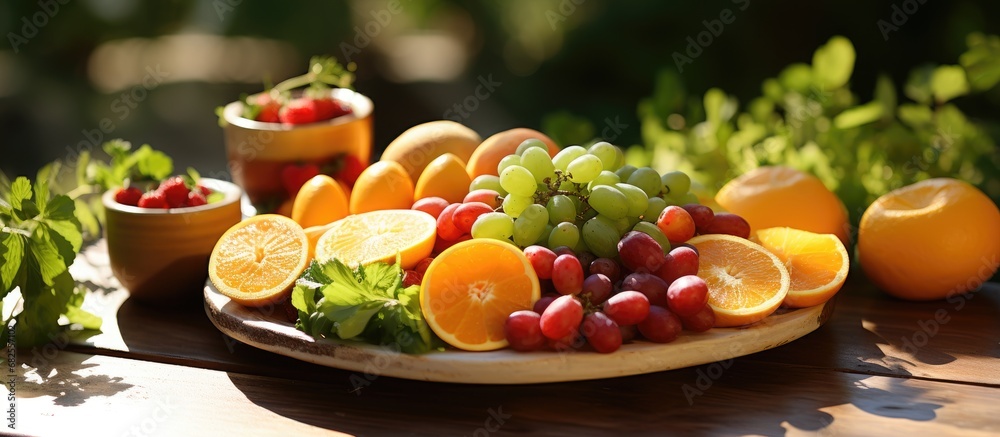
(746, 283)
(816, 263)
(257, 260)
(362, 239)
(469, 290)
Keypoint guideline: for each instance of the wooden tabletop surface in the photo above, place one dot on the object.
(879, 366)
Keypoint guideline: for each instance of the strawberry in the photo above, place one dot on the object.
(350, 168)
(293, 177)
(195, 198)
(128, 196)
(174, 190)
(299, 111)
(153, 199)
(269, 113)
(327, 108)
(205, 191)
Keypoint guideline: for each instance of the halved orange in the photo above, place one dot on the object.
(469, 290)
(746, 283)
(257, 261)
(816, 263)
(362, 239)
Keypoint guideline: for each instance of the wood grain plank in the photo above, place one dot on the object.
(113, 396)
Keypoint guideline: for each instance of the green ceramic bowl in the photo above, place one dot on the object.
(161, 255)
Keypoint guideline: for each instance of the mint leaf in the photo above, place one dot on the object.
(46, 256)
(11, 252)
(20, 191)
(833, 63)
(117, 148)
(948, 82)
(156, 165)
(77, 315)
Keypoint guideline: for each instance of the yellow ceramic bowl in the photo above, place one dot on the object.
(258, 152)
(161, 255)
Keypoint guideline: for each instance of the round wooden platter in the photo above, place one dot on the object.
(262, 329)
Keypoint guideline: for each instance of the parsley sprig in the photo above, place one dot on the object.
(368, 303)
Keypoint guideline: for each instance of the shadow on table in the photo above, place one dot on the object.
(58, 375)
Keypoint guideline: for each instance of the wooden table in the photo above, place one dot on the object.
(880, 366)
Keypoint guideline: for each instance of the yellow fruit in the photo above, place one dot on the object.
(313, 233)
(930, 240)
(378, 236)
(469, 290)
(257, 261)
(769, 197)
(383, 185)
(487, 156)
(320, 201)
(444, 177)
(422, 143)
(816, 263)
(746, 283)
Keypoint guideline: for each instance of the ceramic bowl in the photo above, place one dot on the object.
(258, 152)
(161, 255)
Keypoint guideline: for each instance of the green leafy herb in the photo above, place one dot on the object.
(39, 238)
(367, 303)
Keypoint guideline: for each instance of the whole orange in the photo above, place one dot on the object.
(488, 155)
(383, 185)
(777, 196)
(930, 240)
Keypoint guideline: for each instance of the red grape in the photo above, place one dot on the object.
(676, 224)
(542, 304)
(488, 197)
(541, 259)
(627, 307)
(585, 259)
(701, 215)
(446, 229)
(562, 317)
(681, 261)
(628, 332)
(660, 326)
(687, 295)
(431, 205)
(649, 285)
(607, 267)
(573, 340)
(700, 322)
(441, 244)
(730, 224)
(467, 213)
(564, 250)
(412, 277)
(596, 288)
(602, 333)
(640, 252)
(423, 265)
(523, 331)
(567, 274)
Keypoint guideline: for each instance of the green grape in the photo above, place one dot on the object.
(673, 201)
(609, 201)
(605, 178)
(653, 210)
(675, 183)
(606, 152)
(531, 143)
(612, 223)
(513, 204)
(487, 182)
(518, 180)
(689, 198)
(544, 238)
(561, 209)
(530, 225)
(568, 186)
(637, 200)
(508, 161)
(537, 161)
(625, 171)
(585, 168)
(619, 159)
(601, 237)
(564, 234)
(589, 214)
(632, 221)
(622, 225)
(496, 225)
(655, 232)
(581, 247)
(647, 179)
(567, 155)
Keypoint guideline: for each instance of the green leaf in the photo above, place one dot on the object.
(858, 116)
(117, 148)
(982, 61)
(11, 252)
(833, 63)
(885, 94)
(916, 116)
(77, 315)
(38, 322)
(948, 82)
(88, 221)
(20, 191)
(381, 276)
(82, 162)
(46, 256)
(354, 325)
(918, 85)
(156, 165)
(796, 77)
(719, 108)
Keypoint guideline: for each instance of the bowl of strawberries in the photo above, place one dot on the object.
(278, 139)
(160, 236)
